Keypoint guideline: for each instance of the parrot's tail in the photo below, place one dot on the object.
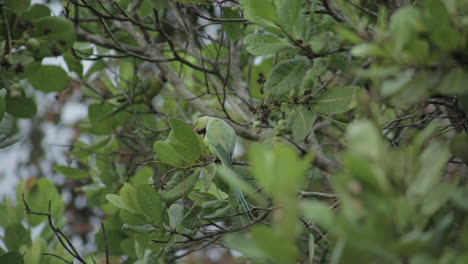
(245, 205)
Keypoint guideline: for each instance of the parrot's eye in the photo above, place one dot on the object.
(199, 131)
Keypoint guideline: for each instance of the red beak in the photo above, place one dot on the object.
(195, 130)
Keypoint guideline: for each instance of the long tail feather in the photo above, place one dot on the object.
(226, 161)
(245, 205)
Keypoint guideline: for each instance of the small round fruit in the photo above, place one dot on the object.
(281, 125)
(258, 130)
(33, 44)
(256, 124)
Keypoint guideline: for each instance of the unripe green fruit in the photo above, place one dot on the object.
(257, 124)
(15, 86)
(33, 44)
(281, 125)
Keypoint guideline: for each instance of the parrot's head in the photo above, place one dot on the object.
(200, 125)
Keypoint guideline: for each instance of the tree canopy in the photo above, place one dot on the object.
(350, 115)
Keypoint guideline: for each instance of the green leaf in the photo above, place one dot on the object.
(143, 176)
(176, 215)
(38, 197)
(233, 30)
(364, 139)
(117, 201)
(301, 122)
(281, 173)
(146, 228)
(73, 63)
(184, 141)
(7, 131)
(103, 118)
(35, 12)
(404, 25)
(49, 78)
(288, 12)
(132, 219)
(311, 248)
(247, 247)
(128, 193)
(285, 77)
(433, 162)
(150, 203)
(55, 28)
(337, 99)
(21, 107)
(16, 236)
(264, 44)
(261, 12)
(459, 146)
(18, 5)
(73, 173)
(318, 212)
(181, 189)
(454, 82)
(166, 153)
(274, 244)
(12, 258)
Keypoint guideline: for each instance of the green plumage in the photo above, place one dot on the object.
(220, 138)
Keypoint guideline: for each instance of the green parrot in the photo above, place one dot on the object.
(220, 138)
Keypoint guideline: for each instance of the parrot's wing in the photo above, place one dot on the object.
(222, 138)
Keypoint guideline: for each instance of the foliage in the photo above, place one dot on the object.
(351, 119)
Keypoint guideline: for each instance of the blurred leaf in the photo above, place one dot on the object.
(21, 107)
(318, 212)
(56, 30)
(233, 30)
(18, 5)
(405, 24)
(16, 236)
(454, 82)
(49, 78)
(364, 139)
(311, 248)
(459, 146)
(35, 12)
(150, 203)
(73, 173)
(38, 199)
(248, 247)
(335, 100)
(432, 163)
(273, 245)
(104, 119)
(11, 258)
(73, 63)
(264, 44)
